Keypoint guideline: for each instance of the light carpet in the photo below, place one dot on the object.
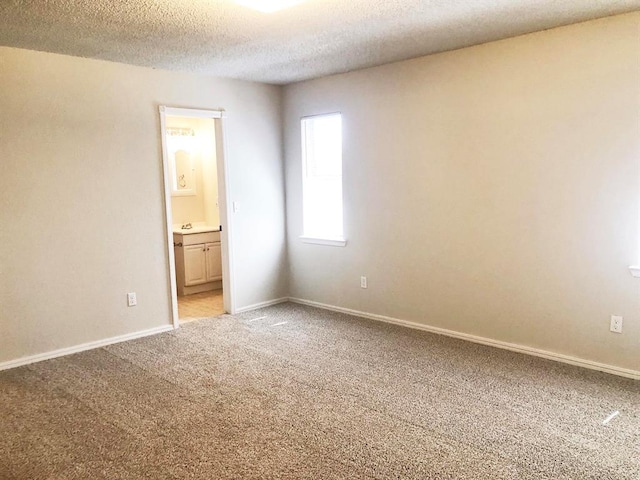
(291, 391)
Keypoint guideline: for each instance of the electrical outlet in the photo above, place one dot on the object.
(363, 282)
(616, 324)
(132, 300)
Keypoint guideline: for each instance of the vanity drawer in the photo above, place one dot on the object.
(199, 238)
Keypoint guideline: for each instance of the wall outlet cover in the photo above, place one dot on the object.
(132, 300)
(616, 324)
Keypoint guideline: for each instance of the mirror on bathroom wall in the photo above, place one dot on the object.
(180, 146)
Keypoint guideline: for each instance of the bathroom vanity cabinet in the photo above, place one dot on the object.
(198, 261)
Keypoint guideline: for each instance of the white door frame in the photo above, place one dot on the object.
(224, 203)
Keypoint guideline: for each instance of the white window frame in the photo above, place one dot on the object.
(315, 239)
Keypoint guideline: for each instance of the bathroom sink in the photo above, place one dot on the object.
(196, 229)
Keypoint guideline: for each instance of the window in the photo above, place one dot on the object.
(322, 179)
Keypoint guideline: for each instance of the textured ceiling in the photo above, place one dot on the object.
(312, 39)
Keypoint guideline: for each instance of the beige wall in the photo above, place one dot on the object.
(81, 196)
(492, 191)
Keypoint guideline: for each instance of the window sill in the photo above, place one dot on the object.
(332, 242)
(635, 270)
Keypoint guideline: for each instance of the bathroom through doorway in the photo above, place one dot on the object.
(195, 199)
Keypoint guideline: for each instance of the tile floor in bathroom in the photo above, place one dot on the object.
(200, 305)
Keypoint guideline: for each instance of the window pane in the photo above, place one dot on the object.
(322, 182)
(324, 147)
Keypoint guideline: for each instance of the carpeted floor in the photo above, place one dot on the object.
(295, 392)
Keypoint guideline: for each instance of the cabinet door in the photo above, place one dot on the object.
(195, 269)
(214, 262)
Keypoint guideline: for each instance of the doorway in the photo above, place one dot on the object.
(198, 233)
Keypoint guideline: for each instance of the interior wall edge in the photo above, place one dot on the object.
(256, 306)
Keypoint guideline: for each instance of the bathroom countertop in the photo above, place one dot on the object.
(196, 229)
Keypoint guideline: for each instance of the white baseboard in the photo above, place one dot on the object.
(268, 303)
(81, 348)
(558, 357)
